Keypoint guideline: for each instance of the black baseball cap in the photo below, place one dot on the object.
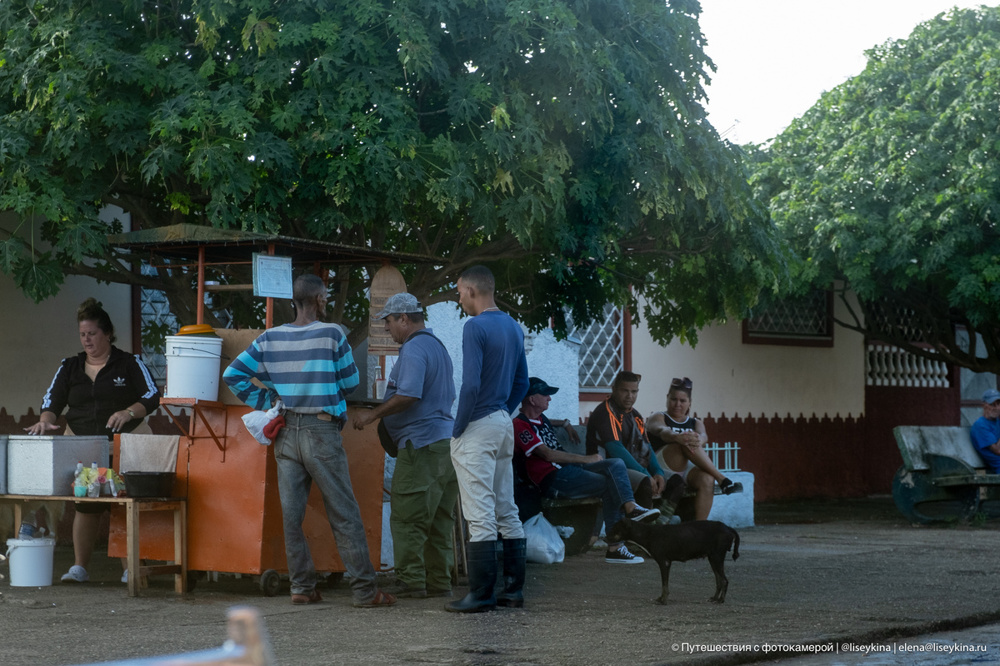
(538, 386)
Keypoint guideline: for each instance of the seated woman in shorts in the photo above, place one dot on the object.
(679, 441)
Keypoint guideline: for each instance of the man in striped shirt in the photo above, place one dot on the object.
(308, 365)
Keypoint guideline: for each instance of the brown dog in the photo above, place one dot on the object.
(680, 543)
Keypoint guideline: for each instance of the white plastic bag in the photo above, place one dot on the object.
(543, 542)
(257, 419)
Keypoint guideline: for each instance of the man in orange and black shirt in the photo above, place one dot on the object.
(619, 429)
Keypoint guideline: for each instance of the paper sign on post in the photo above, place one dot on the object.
(272, 276)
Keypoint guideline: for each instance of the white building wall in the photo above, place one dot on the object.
(554, 361)
(733, 378)
(38, 336)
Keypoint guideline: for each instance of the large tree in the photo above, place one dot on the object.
(890, 187)
(564, 143)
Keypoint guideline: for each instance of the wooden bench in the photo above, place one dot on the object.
(943, 478)
(580, 514)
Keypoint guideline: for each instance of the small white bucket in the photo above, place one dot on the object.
(30, 562)
(193, 367)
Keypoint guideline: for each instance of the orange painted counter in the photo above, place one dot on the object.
(231, 485)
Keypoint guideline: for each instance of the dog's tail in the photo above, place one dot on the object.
(736, 544)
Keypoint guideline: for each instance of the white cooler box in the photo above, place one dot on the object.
(46, 464)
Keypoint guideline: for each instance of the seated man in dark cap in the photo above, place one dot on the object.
(986, 431)
(560, 474)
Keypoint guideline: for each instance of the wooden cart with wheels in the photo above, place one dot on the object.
(234, 522)
(943, 478)
(270, 583)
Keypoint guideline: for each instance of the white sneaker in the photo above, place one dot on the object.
(125, 576)
(622, 556)
(76, 574)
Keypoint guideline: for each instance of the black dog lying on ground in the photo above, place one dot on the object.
(680, 543)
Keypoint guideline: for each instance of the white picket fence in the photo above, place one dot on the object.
(728, 453)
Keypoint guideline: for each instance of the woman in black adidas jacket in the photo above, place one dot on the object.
(104, 390)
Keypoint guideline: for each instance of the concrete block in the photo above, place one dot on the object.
(45, 465)
(735, 510)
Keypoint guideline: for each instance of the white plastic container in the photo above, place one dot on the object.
(45, 464)
(30, 562)
(193, 363)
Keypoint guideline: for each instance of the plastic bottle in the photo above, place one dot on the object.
(94, 489)
(79, 485)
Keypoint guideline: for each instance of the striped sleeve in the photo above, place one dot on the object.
(55, 396)
(247, 366)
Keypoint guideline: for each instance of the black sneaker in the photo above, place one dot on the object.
(640, 515)
(728, 487)
(622, 556)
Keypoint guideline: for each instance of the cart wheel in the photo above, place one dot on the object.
(192, 580)
(920, 501)
(270, 581)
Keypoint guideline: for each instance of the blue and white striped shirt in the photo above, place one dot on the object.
(309, 367)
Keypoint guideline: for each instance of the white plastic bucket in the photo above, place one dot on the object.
(30, 562)
(193, 367)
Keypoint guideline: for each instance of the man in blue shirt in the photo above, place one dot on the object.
(417, 415)
(494, 380)
(309, 366)
(986, 431)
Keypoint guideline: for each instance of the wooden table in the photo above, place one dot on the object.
(134, 507)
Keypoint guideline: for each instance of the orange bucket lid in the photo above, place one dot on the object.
(196, 329)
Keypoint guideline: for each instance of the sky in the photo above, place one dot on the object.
(775, 58)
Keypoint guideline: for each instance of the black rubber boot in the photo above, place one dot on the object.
(482, 556)
(514, 554)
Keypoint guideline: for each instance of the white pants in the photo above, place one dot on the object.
(483, 458)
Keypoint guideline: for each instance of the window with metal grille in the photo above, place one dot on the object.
(601, 349)
(157, 321)
(804, 321)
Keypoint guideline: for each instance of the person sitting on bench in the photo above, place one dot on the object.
(559, 473)
(985, 431)
(617, 429)
(679, 441)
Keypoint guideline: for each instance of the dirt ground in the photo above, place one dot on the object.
(809, 573)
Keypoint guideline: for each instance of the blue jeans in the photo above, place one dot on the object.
(307, 450)
(607, 479)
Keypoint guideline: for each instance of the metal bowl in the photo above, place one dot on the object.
(149, 484)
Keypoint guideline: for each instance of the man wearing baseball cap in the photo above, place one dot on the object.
(416, 413)
(986, 431)
(559, 473)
